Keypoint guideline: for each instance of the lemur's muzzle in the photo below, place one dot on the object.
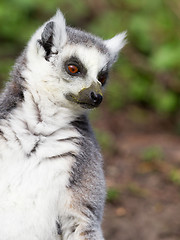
(88, 97)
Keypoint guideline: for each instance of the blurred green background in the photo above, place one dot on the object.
(148, 72)
(138, 124)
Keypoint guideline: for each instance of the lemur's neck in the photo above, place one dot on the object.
(35, 120)
(43, 114)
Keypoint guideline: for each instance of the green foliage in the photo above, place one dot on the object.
(139, 89)
(5, 66)
(153, 153)
(105, 140)
(113, 195)
(115, 96)
(174, 176)
(107, 24)
(165, 101)
(135, 190)
(166, 57)
(140, 30)
(152, 51)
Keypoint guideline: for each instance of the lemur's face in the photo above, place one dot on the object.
(73, 65)
(83, 74)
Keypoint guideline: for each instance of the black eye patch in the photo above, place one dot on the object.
(74, 67)
(103, 76)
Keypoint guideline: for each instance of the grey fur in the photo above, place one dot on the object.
(76, 36)
(13, 93)
(87, 178)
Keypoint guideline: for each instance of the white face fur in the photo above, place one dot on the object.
(62, 68)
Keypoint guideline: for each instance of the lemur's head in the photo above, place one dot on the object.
(70, 65)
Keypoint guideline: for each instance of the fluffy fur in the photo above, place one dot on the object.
(51, 170)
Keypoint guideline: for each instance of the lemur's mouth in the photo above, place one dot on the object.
(86, 105)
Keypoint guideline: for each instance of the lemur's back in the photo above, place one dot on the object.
(51, 174)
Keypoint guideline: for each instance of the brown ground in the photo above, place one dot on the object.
(142, 166)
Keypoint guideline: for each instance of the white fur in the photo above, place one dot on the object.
(60, 35)
(31, 188)
(116, 43)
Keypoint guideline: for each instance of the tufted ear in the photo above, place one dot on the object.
(115, 44)
(54, 34)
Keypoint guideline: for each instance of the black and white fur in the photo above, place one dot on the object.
(51, 177)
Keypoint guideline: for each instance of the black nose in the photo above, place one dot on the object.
(96, 98)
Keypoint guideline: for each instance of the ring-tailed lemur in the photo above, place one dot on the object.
(51, 174)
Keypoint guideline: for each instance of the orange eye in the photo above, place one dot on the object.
(73, 69)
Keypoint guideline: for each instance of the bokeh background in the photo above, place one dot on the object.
(138, 124)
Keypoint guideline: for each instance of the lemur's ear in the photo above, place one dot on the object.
(115, 44)
(54, 34)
